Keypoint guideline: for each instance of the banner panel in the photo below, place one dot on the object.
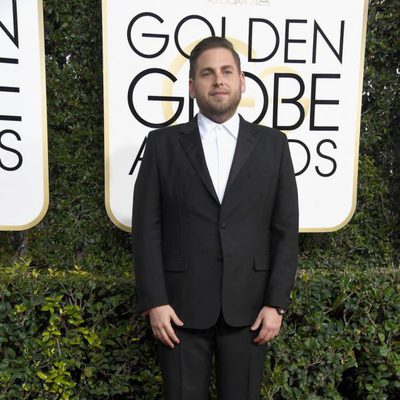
(23, 126)
(303, 63)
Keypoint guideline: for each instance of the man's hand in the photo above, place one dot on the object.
(270, 322)
(160, 320)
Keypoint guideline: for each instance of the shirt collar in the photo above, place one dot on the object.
(206, 125)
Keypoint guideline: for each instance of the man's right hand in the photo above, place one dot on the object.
(160, 320)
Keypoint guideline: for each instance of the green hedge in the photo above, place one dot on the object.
(73, 335)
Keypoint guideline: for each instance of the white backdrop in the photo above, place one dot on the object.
(304, 64)
(23, 126)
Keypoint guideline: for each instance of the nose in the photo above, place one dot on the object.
(218, 79)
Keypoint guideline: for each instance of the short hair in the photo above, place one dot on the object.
(208, 43)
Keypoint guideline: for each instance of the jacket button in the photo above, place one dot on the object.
(223, 225)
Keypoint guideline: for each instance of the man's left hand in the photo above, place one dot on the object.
(270, 322)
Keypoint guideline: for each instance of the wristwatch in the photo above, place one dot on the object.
(280, 310)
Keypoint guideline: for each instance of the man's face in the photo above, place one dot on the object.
(217, 85)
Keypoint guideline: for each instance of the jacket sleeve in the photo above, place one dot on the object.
(146, 232)
(284, 234)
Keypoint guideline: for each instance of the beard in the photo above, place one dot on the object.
(219, 110)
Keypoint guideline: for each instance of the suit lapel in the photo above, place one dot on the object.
(191, 143)
(246, 142)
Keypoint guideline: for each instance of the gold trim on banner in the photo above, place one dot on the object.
(43, 211)
(110, 214)
(358, 128)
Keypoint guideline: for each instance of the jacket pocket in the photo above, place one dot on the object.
(261, 263)
(259, 174)
(175, 264)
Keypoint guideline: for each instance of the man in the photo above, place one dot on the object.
(215, 232)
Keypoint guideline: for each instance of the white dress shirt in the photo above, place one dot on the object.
(219, 144)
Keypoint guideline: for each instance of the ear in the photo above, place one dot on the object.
(191, 89)
(242, 82)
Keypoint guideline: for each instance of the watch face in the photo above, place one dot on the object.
(281, 311)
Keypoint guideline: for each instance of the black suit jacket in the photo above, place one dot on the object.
(201, 256)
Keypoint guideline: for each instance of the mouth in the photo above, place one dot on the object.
(219, 93)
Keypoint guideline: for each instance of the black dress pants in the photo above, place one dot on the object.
(239, 363)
